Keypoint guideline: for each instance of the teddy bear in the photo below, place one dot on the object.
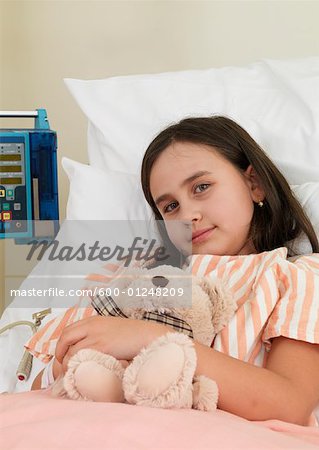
(163, 373)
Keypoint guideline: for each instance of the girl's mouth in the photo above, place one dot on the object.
(202, 235)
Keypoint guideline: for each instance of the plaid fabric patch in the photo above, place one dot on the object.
(105, 305)
(178, 324)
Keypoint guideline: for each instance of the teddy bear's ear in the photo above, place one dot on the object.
(222, 300)
(166, 270)
(127, 276)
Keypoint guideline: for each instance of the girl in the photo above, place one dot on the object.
(210, 174)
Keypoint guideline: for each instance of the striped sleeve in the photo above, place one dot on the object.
(43, 343)
(296, 314)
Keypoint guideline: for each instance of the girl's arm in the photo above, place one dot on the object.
(287, 389)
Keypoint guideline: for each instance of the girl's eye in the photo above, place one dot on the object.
(170, 207)
(201, 187)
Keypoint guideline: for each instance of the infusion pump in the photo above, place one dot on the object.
(28, 179)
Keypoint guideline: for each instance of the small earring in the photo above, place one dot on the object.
(260, 204)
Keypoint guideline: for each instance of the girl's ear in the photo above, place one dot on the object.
(254, 183)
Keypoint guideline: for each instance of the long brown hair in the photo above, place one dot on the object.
(281, 219)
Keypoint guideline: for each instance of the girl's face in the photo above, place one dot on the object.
(193, 183)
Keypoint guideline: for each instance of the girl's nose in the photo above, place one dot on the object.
(196, 216)
(191, 215)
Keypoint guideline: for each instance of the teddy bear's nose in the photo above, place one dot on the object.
(159, 281)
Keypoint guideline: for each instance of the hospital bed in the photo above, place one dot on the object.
(277, 102)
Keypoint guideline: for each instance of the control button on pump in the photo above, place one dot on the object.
(6, 216)
(17, 206)
(2, 193)
(6, 206)
(10, 194)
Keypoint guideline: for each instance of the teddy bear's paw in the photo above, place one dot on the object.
(94, 376)
(161, 375)
(205, 394)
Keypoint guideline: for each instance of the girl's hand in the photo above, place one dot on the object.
(121, 338)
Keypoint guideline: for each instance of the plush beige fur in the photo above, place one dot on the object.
(162, 375)
(206, 304)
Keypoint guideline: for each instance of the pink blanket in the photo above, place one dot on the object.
(34, 420)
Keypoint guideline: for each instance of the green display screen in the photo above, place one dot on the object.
(10, 157)
(10, 169)
(15, 180)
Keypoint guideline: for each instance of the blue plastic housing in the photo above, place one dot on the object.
(28, 180)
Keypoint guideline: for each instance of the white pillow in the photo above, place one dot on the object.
(308, 196)
(108, 207)
(276, 101)
(97, 194)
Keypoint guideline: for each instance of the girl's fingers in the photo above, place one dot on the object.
(72, 350)
(70, 336)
